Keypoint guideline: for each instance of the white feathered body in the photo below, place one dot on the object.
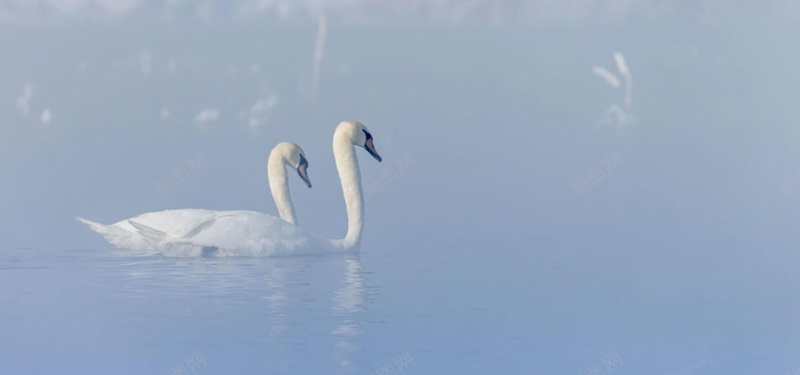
(194, 232)
(246, 233)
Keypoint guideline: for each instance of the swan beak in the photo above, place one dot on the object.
(302, 170)
(371, 149)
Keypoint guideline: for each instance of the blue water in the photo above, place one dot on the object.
(477, 259)
(549, 311)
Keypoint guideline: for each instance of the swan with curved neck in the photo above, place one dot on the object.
(124, 235)
(251, 233)
(349, 134)
(285, 154)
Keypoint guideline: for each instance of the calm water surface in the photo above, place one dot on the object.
(553, 310)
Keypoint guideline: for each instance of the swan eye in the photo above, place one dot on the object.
(369, 136)
(303, 161)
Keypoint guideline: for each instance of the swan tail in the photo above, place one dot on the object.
(113, 234)
(97, 227)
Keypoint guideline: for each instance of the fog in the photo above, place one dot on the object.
(678, 252)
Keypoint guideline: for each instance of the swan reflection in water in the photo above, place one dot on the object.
(348, 304)
(277, 306)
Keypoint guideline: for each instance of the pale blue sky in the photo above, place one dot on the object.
(500, 110)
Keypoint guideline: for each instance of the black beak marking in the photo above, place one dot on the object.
(302, 170)
(370, 146)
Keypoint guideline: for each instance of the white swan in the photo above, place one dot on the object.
(123, 235)
(251, 233)
(285, 153)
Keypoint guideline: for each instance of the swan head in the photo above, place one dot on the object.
(358, 135)
(293, 157)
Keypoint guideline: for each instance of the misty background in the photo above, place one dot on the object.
(681, 256)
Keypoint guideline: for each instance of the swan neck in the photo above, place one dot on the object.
(279, 186)
(350, 176)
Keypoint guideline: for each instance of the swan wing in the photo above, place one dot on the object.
(116, 235)
(244, 233)
(169, 221)
(125, 235)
